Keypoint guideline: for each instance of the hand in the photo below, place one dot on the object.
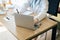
(36, 21)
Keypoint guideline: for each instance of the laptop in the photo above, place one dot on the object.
(25, 21)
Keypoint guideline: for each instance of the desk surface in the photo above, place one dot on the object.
(56, 18)
(23, 34)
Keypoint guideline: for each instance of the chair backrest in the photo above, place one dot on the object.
(53, 7)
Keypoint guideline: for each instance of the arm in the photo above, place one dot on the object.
(43, 10)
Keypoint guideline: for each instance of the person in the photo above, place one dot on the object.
(38, 7)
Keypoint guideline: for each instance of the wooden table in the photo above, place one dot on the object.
(26, 34)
